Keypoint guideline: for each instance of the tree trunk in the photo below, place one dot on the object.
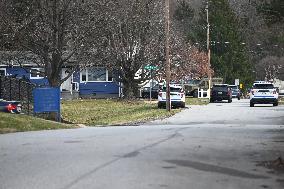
(54, 81)
(130, 89)
(54, 75)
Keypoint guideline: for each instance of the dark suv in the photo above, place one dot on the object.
(154, 92)
(235, 91)
(221, 92)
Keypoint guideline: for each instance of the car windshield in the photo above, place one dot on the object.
(173, 89)
(263, 86)
(234, 87)
(192, 82)
(220, 88)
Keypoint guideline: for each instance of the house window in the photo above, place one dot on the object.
(36, 73)
(96, 74)
(2, 71)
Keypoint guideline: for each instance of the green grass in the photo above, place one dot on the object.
(19, 123)
(196, 101)
(281, 101)
(93, 113)
(111, 112)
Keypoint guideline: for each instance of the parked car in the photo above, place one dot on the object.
(263, 93)
(177, 97)
(191, 86)
(221, 92)
(154, 92)
(235, 91)
(10, 106)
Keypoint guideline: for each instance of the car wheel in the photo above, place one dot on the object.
(195, 94)
(182, 105)
(239, 98)
(19, 109)
(230, 100)
(251, 104)
(275, 104)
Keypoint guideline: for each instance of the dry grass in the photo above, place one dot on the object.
(196, 101)
(18, 123)
(96, 112)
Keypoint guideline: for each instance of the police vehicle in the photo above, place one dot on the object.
(263, 93)
(177, 97)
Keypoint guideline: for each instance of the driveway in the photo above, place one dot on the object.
(219, 146)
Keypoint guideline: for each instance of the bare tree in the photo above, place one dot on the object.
(124, 36)
(263, 37)
(270, 68)
(54, 32)
(132, 37)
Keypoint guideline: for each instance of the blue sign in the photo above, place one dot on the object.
(47, 100)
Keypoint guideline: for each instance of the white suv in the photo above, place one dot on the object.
(177, 97)
(263, 93)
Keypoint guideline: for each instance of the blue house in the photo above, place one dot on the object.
(95, 82)
(92, 82)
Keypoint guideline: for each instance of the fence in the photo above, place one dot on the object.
(14, 89)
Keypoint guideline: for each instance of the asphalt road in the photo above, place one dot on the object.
(219, 146)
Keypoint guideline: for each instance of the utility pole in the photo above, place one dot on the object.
(208, 51)
(168, 66)
(151, 83)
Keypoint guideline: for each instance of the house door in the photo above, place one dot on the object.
(66, 85)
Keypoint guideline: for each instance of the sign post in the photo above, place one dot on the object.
(237, 81)
(47, 100)
(151, 68)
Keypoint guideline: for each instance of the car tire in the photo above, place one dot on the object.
(251, 104)
(160, 106)
(182, 105)
(230, 100)
(275, 104)
(239, 98)
(195, 94)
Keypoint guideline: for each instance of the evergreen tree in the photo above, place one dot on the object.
(229, 56)
(273, 11)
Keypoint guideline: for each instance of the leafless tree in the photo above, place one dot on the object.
(263, 40)
(54, 32)
(133, 37)
(270, 68)
(124, 36)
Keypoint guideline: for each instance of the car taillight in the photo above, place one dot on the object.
(11, 107)
(160, 94)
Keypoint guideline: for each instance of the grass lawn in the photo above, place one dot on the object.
(281, 101)
(96, 112)
(196, 101)
(17, 123)
(92, 112)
